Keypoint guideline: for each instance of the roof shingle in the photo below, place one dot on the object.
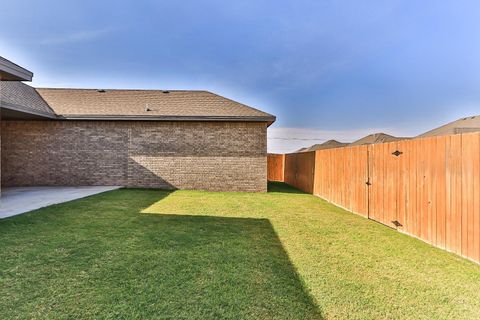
(19, 96)
(463, 125)
(157, 104)
(376, 138)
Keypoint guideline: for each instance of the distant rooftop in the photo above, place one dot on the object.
(376, 138)
(463, 125)
(330, 144)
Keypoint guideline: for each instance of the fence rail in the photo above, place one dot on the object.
(427, 187)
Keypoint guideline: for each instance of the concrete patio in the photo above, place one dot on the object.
(19, 200)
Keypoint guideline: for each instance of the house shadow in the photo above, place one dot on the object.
(140, 175)
(158, 265)
(281, 187)
(225, 265)
(240, 257)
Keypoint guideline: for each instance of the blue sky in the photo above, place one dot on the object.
(326, 69)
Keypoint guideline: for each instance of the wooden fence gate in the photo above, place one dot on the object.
(383, 183)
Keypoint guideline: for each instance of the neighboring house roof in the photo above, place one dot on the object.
(330, 144)
(376, 138)
(148, 104)
(463, 125)
(301, 150)
(19, 97)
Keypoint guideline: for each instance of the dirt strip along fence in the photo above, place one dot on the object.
(275, 167)
(427, 187)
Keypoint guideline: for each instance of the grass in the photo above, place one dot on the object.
(203, 255)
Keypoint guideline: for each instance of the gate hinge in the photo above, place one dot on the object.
(397, 153)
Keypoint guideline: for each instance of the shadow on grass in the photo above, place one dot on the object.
(109, 261)
(232, 267)
(247, 256)
(281, 187)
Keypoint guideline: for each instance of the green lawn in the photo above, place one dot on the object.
(133, 254)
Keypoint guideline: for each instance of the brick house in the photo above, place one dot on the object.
(134, 138)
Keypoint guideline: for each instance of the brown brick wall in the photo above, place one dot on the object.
(225, 156)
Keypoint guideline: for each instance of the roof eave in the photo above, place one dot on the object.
(10, 71)
(18, 108)
(268, 119)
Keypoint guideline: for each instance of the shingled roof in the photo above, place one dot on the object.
(463, 125)
(376, 138)
(20, 97)
(125, 104)
(148, 104)
(330, 144)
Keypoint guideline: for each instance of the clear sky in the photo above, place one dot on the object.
(325, 68)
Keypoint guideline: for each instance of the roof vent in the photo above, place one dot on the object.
(147, 108)
(101, 90)
(166, 91)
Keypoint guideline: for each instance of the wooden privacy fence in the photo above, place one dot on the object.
(299, 170)
(340, 177)
(428, 187)
(275, 167)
